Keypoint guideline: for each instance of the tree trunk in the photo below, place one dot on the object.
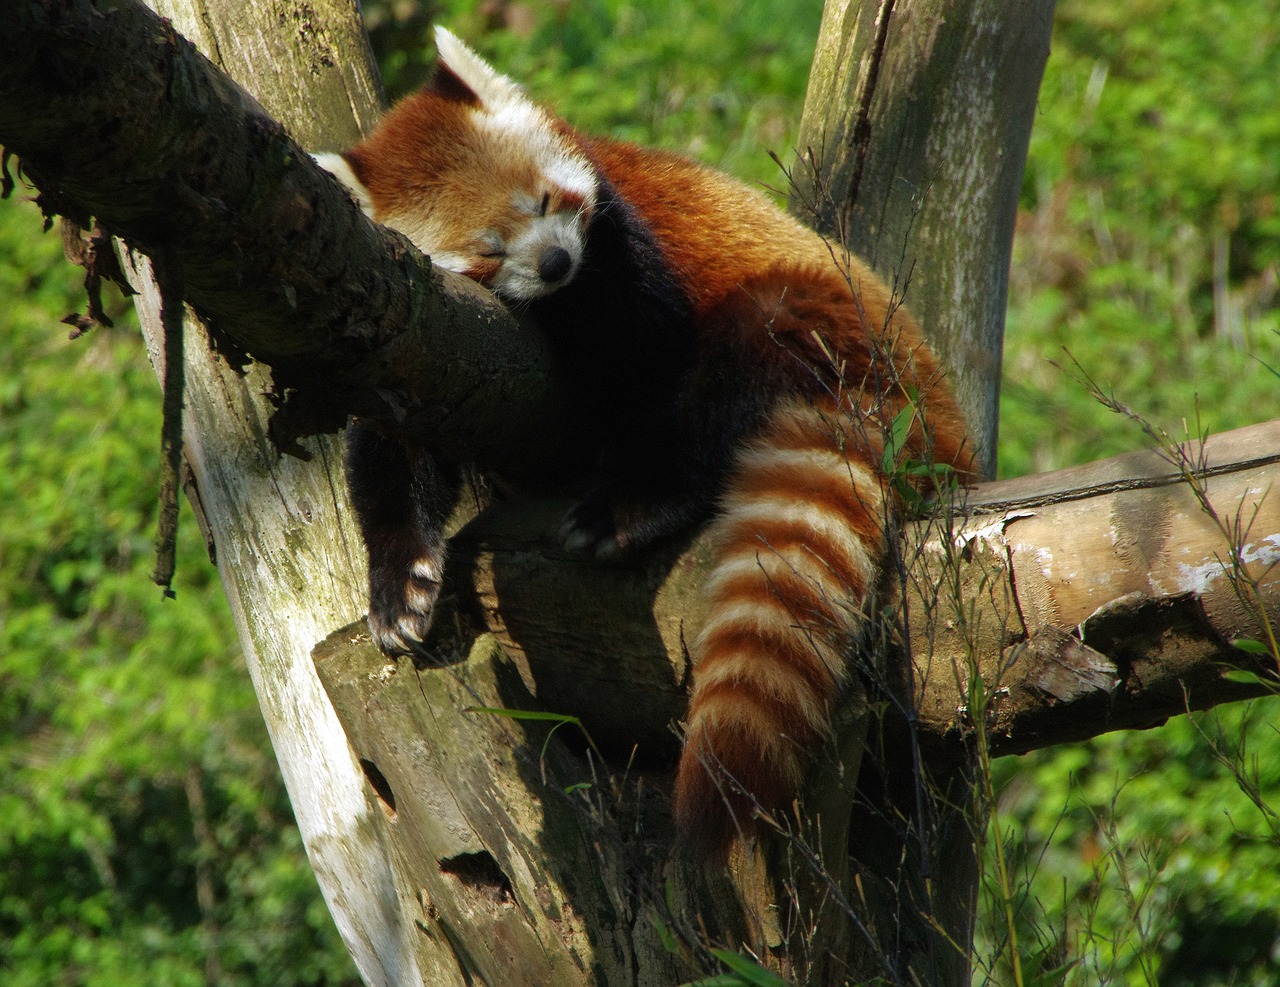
(913, 144)
(291, 563)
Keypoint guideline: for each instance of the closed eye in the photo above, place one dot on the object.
(546, 201)
(494, 254)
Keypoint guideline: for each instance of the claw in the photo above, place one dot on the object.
(594, 537)
(400, 610)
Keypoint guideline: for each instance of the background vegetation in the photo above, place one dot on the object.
(144, 834)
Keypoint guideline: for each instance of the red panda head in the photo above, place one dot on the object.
(480, 178)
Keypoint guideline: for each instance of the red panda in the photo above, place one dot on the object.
(740, 367)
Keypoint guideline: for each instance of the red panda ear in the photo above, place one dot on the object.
(447, 84)
(462, 74)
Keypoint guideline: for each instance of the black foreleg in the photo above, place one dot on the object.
(403, 496)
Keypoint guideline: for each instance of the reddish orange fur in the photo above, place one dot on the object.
(839, 357)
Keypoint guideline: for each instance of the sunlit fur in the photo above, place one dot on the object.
(809, 344)
(484, 186)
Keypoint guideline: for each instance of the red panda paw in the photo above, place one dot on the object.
(401, 601)
(589, 530)
(605, 527)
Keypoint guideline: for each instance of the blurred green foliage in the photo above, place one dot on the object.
(135, 773)
(142, 819)
(723, 82)
(1149, 244)
(1148, 250)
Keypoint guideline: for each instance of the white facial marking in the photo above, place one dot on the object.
(528, 130)
(526, 203)
(519, 276)
(516, 136)
(337, 166)
(508, 116)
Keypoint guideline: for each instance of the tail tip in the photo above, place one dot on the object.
(712, 812)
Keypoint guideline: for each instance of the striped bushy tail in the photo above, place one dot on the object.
(798, 549)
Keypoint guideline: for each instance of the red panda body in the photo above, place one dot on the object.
(744, 368)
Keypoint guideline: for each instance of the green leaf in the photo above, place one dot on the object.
(526, 714)
(896, 440)
(747, 970)
(665, 935)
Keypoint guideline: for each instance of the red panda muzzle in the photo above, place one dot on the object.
(554, 264)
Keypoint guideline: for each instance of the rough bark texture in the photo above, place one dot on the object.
(1004, 633)
(913, 145)
(1146, 634)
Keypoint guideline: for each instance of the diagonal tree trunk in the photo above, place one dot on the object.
(292, 568)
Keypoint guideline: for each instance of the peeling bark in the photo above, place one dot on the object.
(1120, 602)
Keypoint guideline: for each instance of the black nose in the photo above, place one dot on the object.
(554, 264)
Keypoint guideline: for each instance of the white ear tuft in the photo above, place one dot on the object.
(337, 166)
(492, 87)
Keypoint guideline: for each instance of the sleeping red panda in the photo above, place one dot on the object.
(741, 369)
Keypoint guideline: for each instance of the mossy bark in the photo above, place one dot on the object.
(913, 145)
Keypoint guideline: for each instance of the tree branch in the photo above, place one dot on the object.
(115, 115)
(1106, 596)
(1086, 600)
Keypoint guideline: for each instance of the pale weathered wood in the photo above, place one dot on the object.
(1121, 603)
(292, 567)
(517, 881)
(1162, 624)
(912, 145)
